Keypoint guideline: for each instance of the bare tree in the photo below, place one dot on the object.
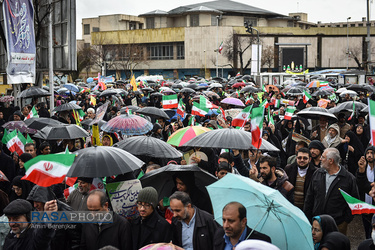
(353, 53)
(85, 61)
(268, 54)
(235, 47)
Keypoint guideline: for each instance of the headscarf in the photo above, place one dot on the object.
(327, 224)
(25, 185)
(362, 137)
(336, 241)
(355, 142)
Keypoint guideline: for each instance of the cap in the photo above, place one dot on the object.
(148, 195)
(18, 207)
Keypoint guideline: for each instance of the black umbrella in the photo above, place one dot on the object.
(121, 91)
(322, 92)
(156, 94)
(103, 161)
(177, 86)
(162, 179)
(149, 146)
(347, 106)
(108, 92)
(250, 89)
(192, 86)
(33, 92)
(148, 89)
(137, 92)
(357, 88)
(132, 108)
(187, 90)
(315, 113)
(227, 138)
(295, 91)
(41, 122)
(153, 112)
(67, 106)
(64, 131)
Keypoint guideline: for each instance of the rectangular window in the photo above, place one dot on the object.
(150, 23)
(86, 29)
(132, 26)
(214, 20)
(251, 21)
(95, 29)
(194, 20)
(160, 51)
(181, 51)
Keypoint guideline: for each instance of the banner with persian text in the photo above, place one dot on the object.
(20, 37)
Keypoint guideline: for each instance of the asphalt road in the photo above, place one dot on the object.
(356, 233)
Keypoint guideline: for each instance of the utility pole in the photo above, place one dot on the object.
(347, 43)
(50, 59)
(368, 68)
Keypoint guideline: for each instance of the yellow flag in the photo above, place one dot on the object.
(133, 83)
(92, 101)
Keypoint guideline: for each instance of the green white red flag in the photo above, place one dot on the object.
(371, 112)
(276, 102)
(289, 113)
(170, 101)
(269, 117)
(222, 112)
(200, 108)
(33, 113)
(242, 117)
(353, 112)
(47, 170)
(14, 144)
(287, 102)
(357, 206)
(257, 116)
(306, 96)
(181, 108)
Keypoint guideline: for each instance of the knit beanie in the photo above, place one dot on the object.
(148, 195)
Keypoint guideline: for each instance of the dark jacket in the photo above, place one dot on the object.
(240, 165)
(153, 229)
(317, 202)
(30, 239)
(204, 230)
(364, 186)
(219, 242)
(292, 171)
(117, 234)
(282, 185)
(366, 245)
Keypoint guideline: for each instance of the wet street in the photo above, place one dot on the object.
(356, 232)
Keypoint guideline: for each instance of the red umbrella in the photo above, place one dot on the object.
(238, 85)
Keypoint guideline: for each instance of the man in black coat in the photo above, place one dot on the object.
(323, 195)
(8, 169)
(149, 227)
(116, 234)
(235, 229)
(192, 227)
(300, 174)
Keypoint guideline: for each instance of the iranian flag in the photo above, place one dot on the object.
(257, 116)
(47, 170)
(14, 144)
(170, 101)
(181, 108)
(270, 118)
(371, 112)
(242, 117)
(287, 102)
(353, 111)
(222, 112)
(306, 96)
(221, 47)
(357, 206)
(199, 109)
(276, 102)
(289, 113)
(33, 113)
(265, 104)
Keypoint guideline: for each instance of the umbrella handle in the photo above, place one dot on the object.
(257, 224)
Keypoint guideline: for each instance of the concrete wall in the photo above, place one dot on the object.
(334, 51)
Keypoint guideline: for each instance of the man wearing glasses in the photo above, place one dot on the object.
(149, 227)
(300, 174)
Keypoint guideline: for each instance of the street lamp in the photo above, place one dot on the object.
(250, 30)
(347, 42)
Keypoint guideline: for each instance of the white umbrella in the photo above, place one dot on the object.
(348, 92)
(340, 90)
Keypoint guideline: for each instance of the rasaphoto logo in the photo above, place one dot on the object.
(48, 166)
(72, 217)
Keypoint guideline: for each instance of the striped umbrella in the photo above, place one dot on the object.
(317, 84)
(184, 135)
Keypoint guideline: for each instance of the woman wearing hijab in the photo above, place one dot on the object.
(25, 157)
(335, 241)
(351, 150)
(362, 136)
(321, 226)
(20, 188)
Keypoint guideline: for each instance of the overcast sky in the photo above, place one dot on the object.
(318, 10)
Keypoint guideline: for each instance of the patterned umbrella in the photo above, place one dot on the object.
(20, 126)
(317, 84)
(161, 246)
(7, 98)
(233, 101)
(128, 124)
(184, 135)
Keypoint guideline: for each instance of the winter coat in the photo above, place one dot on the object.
(30, 239)
(204, 230)
(337, 140)
(117, 234)
(317, 202)
(153, 229)
(292, 171)
(219, 241)
(282, 185)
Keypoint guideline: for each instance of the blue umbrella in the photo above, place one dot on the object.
(90, 79)
(268, 211)
(71, 87)
(212, 112)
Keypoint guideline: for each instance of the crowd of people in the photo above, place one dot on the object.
(316, 159)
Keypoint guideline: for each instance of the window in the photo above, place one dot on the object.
(132, 26)
(95, 29)
(290, 24)
(150, 23)
(181, 51)
(360, 25)
(251, 21)
(194, 20)
(86, 29)
(160, 51)
(214, 20)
